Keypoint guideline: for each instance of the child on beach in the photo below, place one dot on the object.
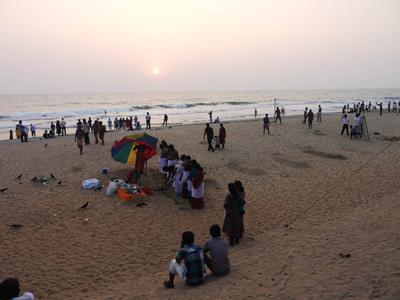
(266, 123)
(216, 143)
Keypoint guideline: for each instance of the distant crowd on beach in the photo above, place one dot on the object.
(59, 127)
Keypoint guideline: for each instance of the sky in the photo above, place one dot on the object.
(79, 46)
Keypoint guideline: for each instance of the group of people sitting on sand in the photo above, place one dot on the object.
(191, 260)
(185, 175)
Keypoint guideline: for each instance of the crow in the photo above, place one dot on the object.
(3, 190)
(18, 177)
(34, 178)
(16, 226)
(84, 205)
(59, 182)
(52, 176)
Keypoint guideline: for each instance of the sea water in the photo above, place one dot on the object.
(181, 107)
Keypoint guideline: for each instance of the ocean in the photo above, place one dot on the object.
(181, 107)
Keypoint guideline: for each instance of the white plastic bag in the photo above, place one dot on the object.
(90, 183)
(111, 188)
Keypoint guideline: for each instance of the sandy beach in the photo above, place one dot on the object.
(322, 216)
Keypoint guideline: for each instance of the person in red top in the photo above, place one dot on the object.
(222, 135)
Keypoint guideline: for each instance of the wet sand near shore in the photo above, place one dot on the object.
(322, 216)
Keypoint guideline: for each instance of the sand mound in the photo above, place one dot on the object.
(234, 165)
(324, 154)
(292, 163)
(392, 139)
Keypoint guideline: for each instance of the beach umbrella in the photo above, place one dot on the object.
(125, 150)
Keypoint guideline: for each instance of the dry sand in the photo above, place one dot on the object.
(312, 195)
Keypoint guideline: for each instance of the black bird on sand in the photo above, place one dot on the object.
(16, 226)
(3, 190)
(18, 177)
(52, 176)
(84, 205)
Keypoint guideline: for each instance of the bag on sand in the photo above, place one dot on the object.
(111, 188)
(90, 183)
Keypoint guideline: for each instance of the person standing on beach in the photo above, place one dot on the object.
(24, 136)
(115, 123)
(222, 135)
(305, 114)
(102, 131)
(86, 130)
(90, 124)
(109, 124)
(95, 127)
(209, 132)
(79, 136)
(345, 121)
(310, 117)
(33, 130)
(63, 127)
(380, 108)
(232, 221)
(241, 192)
(148, 121)
(58, 127)
(266, 123)
(278, 115)
(11, 135)
(255, 113)
(165, 122)
(319, 114)
(210, 114)
(135, 121)
(53, 127)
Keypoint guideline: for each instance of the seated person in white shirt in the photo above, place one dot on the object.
(9, 290)
(216, 143)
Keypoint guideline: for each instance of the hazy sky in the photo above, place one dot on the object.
(49, 46)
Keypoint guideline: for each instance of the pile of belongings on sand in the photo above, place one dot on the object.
(127, 191)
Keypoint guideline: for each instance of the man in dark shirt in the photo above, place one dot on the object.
(278, 115)
(210, 135)
(218, 248)
(188, 263)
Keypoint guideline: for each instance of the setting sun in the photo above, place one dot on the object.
(156, 71)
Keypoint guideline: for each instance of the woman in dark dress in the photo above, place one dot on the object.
(58, 128)
(233, 218)
(241, 192)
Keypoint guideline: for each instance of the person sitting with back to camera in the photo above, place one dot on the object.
(218, 248)
(9, 290)
(188, 263)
